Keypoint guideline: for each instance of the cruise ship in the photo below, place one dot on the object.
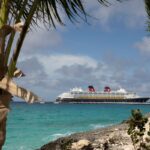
(78, 95)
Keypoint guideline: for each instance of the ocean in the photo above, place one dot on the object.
(31, 126)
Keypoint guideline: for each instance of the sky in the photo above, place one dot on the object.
(112, 49)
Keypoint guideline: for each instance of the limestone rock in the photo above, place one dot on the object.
(110, 138)
(80, 144)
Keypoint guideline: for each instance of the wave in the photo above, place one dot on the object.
(97, 126)
(55, 136)
(58, 135)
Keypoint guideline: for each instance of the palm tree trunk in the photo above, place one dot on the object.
(3, 119)
(5, 97)
(4, 105)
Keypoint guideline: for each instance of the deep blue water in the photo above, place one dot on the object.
(31, 126)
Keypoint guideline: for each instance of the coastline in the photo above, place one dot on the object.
(50, 121)
(115, 137)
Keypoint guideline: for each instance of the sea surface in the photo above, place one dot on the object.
(31, 126)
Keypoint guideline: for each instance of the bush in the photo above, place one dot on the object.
(139, 135)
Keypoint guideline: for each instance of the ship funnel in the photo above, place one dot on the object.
(91, 88)
(107, 89)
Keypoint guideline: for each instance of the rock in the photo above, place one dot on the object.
(110, 138)
(60, 144)
(127, 147)
(80, 144)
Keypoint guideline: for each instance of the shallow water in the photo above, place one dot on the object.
(31, 126)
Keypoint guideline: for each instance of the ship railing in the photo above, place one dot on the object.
(102, 93)
(103, 97)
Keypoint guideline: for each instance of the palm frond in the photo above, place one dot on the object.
(49, 11)
(147, 7)
(8, 85)
(18, 73)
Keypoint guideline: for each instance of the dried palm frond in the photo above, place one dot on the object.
(8, 85)
(18, 73)
(7, 29)
(18, 26)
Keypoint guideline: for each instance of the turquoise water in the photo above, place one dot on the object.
(31, 126)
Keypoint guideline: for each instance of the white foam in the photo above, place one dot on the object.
(97, 126)
(58, 135)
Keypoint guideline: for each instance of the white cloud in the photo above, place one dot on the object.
(144, 45)
(42, 76)
(54, 62)
(131, 13)
(48, 76)
(41, 40)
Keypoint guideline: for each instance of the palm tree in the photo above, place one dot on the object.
(30, 12)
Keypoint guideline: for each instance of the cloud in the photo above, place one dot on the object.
(144, 45)
(124, 12)
(33, 70)
(41, 41)
(48, 76)
(30, 65)
(54, 62)
(43, 75)
(75, 70)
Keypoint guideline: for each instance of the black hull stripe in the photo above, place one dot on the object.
(132, 100)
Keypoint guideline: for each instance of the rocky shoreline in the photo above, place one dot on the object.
(110, 138)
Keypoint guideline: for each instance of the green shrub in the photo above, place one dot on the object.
(137, 130)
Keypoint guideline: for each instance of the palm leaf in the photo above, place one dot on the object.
(48, 11)
(147, 6)
(8, 85)
(7, 29)
(18, 73)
